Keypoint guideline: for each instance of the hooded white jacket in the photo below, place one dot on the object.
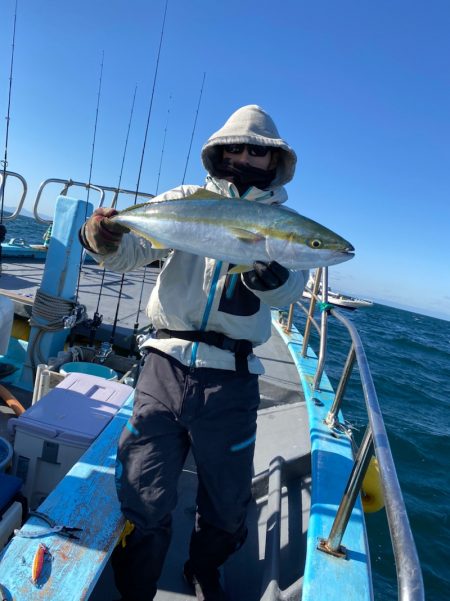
(196, 293)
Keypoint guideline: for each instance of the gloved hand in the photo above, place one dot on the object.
(101, 235)
(266, 276)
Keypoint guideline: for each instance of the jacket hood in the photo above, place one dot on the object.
(251, 125)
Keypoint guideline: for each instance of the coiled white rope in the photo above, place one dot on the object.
(52, 313)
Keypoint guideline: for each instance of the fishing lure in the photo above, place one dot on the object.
(38, 562)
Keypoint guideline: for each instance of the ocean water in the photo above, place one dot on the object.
(26, 228)
(409, 356)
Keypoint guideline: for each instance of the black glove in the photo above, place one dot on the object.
(101, 235)
(266, 276)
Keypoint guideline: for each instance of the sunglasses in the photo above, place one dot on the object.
(253, 149)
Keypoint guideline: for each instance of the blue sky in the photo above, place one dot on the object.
(361, 90)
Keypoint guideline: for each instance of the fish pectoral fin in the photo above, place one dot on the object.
(155, 243)
(246, 235)
(240, 269)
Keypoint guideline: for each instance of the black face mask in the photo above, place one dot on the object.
(243, 175)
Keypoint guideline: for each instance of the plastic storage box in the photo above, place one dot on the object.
(51, 436)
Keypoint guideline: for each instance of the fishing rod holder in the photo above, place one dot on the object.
(78, 314)
(69, 183)
(104, 352)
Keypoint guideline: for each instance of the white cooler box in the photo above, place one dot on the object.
(51, 436)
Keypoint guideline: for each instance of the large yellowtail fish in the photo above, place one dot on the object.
(236, 230)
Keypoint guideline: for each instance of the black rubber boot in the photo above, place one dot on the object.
(206, 587)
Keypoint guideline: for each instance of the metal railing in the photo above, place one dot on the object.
(3, 179)
(409, 575)
(69, 183)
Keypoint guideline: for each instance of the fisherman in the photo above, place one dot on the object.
(198, 387)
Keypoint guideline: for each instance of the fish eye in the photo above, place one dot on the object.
(315, 243)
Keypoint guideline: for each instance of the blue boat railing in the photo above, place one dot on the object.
(409, 574)
(69, 183)
(4, 175)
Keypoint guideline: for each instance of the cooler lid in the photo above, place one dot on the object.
(77, 409)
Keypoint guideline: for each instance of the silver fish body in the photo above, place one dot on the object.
(236, 230)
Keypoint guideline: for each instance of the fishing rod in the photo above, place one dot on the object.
(96, 322)
(193, 129)
(163, 147)
(136, 323)
(113, 332)
(4, 162)
(91, 162)
(144, 145)
(97, 319)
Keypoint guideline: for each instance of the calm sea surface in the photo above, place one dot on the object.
(409, 356)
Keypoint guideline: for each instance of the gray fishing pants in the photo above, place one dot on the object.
(176, 408)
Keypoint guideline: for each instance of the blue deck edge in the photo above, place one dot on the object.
(326, 576)
(84, 497)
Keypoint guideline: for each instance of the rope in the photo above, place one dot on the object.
(57, 312)
(325, 306)
(50, 314)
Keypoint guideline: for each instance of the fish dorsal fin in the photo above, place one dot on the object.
(132, 208)
(200, 194)
(245, 235)
(204, 194)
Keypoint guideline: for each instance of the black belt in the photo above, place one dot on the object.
(241, 348)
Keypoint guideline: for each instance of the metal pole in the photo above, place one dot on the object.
(331, 417)
(270, 589)
(323, 332)
(332, 544)
(312, 306)
(290, 319)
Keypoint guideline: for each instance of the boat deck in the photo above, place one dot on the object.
(282, 431)
(21, 279)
